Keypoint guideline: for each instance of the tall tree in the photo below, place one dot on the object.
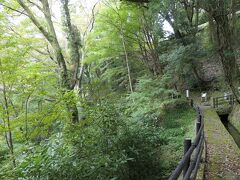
(112, 51)
(223, 13)
(69, 74)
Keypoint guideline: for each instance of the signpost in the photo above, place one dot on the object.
(187, 94)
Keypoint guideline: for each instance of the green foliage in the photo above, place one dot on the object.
(178, 124)
(31, 103)
(151, 99)
(152, 104)
(121, 135)
(181, 66)
(105, 49)
(107, 147)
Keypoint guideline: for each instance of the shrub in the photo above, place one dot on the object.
(104, 146)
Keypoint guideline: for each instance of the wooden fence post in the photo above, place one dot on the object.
(199, 117)
(191, 102)
(198, 125)
(187, 145)
(232, 102)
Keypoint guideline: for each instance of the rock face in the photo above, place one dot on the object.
(210, 69)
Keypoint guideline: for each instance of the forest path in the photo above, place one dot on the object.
(222, 155)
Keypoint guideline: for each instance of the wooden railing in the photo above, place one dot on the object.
(188, 166)
(222, 100)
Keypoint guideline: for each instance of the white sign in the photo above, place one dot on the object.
(204, 97)
(226, 96)
(187, 93)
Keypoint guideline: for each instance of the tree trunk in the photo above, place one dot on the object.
(6, 118)
(8, 135)
(225, 49)
(67, 79)
(74, 41)
(127, 61)
(150, 47)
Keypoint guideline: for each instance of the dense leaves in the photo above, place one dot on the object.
(99, 95)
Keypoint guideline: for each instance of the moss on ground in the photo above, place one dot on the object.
(234, 117)
(223, 155)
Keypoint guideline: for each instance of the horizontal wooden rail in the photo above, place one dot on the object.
(189, 164)
(221, 100)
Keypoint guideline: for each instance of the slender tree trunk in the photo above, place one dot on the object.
(127, 61)
(151, 43)
(68, 80)
(212, 31)
(6, 119)
(8, 134)
(26, 117)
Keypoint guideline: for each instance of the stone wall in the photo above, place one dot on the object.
(234, 117)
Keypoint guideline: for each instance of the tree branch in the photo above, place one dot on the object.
(8, 7)
(34, 20)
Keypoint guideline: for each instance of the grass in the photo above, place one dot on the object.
(179, 124)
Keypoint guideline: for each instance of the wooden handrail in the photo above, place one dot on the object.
(190, 170)
(223, 100)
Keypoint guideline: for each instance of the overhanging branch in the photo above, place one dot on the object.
(12, 9)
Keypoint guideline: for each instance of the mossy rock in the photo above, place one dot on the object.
(234, 117)
(224, 109)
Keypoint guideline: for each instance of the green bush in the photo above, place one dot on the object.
(104, 146)
(139, 137)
